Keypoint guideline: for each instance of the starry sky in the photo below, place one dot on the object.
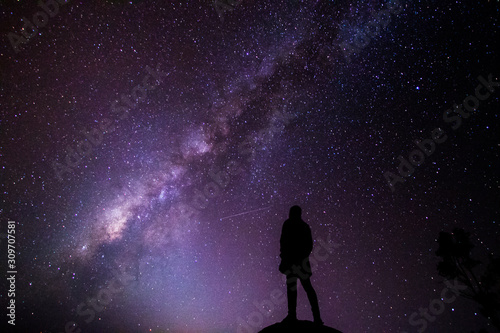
(164, 142)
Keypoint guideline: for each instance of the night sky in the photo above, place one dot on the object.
(150, 152)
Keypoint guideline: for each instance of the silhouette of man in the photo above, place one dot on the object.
(295, 247)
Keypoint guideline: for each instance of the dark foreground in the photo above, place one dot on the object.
(302, 326)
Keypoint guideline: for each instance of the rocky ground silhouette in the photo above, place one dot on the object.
(299, 326)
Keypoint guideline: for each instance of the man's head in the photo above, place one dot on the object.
(295, 212)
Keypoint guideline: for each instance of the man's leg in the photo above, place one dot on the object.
(291, 292)
(313, 299)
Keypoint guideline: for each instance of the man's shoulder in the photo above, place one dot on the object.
(296, 223)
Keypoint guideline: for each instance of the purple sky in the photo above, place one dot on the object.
(243, 115)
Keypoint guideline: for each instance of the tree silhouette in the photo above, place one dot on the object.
(455, 249)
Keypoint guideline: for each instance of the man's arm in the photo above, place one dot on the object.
(309, 241)
(283, 240)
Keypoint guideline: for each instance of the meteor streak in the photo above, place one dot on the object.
(250, 211)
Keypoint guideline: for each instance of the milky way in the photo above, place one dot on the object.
(151, 151)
